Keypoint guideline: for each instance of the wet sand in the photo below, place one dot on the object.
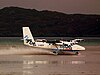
(23, 60)
(23, 50)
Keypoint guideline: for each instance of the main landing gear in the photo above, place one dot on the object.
(76, 53)
(55, 52)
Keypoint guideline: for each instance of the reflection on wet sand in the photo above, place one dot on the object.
(11, 73)
(26, 65)
(30, 62)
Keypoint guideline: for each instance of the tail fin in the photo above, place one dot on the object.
(27, 37)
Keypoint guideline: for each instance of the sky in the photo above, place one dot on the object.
(65, 6)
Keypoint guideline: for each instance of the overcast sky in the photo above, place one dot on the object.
(66, 6)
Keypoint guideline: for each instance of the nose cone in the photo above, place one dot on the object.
(82, 48)
(78, 47)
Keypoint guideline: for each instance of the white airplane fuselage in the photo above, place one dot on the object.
(55, 46)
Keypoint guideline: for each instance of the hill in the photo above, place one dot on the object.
(47, 23)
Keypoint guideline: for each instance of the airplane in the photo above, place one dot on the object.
(56, 46)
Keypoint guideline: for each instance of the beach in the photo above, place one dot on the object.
(23, 60)
(18, 59)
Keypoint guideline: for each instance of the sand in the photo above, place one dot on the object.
(24, 60)
(21, 49)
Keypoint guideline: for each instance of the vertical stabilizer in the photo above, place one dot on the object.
(27, 37)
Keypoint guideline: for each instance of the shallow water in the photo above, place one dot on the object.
(86, 63)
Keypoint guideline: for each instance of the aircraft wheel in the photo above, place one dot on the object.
(77, 53)
(55, 53)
